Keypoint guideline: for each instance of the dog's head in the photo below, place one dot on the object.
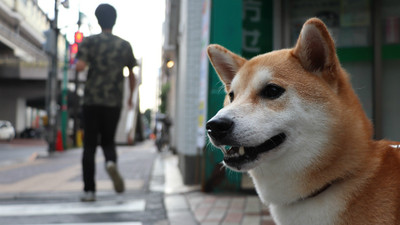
(281, 104)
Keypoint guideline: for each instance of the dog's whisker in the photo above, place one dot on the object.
(222, 147)
(223, 166)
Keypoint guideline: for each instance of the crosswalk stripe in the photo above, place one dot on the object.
(97, 223)
(72, 208)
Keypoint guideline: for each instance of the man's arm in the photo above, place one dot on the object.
(132, 85)
(131, 63)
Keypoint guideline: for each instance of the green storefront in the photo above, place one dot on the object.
(243, 27)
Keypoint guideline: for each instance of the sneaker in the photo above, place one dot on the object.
(116, 178)
(88, 196)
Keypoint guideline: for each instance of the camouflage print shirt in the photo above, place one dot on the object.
(106, 55)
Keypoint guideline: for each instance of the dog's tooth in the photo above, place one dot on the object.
(241, 150)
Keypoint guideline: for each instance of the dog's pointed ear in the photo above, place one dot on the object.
(225, 62)
(315, 47)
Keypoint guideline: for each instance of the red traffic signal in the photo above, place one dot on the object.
(74, 48)
(78, 37)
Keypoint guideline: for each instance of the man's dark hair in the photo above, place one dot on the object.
(106, 16)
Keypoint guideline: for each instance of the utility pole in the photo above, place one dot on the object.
(64, 97)
(76, 103)
(53, 84)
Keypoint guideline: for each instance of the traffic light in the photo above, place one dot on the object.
(78, 37)
(48, 45)
(74, 48)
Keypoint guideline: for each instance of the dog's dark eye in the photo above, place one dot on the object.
(231, 96)
(272, 91)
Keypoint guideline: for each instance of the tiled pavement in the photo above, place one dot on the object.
(189, 207)
(228, 210)
(210, 209)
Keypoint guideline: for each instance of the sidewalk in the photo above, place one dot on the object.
(188, 206)
(155, 192)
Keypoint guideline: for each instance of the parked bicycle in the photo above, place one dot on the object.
(163, 124)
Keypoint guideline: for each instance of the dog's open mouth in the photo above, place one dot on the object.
(238, 156)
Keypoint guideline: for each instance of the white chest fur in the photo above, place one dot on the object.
(310, 213)
(323, 209)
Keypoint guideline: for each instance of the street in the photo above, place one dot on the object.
(20, 150)
(40, 189)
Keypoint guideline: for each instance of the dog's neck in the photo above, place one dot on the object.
(320, 190)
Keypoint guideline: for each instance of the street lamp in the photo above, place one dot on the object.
(170, 64)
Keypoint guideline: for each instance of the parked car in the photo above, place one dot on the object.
(7, 131)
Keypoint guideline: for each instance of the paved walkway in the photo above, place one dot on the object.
(40, 188)
(186, 205)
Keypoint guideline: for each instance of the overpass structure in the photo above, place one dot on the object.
(24, 65)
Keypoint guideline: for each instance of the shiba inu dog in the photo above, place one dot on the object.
(292, 121)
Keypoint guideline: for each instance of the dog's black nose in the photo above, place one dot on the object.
(219, 128)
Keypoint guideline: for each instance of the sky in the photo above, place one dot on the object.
(138, 21)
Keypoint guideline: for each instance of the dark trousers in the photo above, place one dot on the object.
(99, 124)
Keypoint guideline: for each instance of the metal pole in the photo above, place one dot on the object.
(76, 109)
(64, 98)
(53, 84)
(76, 102)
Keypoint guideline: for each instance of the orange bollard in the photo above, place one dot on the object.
(59, 142)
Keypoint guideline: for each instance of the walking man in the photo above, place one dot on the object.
(105, 55)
